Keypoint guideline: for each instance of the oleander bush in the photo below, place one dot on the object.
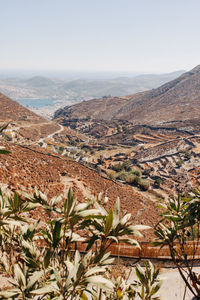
(179, 230)
(41, 259)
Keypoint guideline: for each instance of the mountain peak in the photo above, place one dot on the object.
(196, 69)
(174, 101)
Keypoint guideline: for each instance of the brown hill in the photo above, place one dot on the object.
(26, 125)
(11, 110)
(29, 167)
(176, 100)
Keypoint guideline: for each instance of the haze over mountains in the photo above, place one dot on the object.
(177, 100)
(65, 92)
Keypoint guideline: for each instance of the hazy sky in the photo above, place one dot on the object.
(103, 35)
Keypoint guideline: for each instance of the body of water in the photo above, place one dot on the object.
(36, 102)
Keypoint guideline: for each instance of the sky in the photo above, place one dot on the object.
(152, 36)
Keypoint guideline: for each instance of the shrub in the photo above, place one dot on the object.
(187, 155)
(143, 184)
(179, 163)
(132, 179)
(122, 176)
(4, 151)
(101, 148)
(117, 168)
(100, 160)
(158, 181)
(146, 172)
(180, 223)
(61, 149)
(128, 177)
(136, 172)
(111, 174)
(125, 166)
(38, 258)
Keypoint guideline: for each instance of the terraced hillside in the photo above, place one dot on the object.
(164, 156)
(158, 169)
(155, 133)
(173, 166)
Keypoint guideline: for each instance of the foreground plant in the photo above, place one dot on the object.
(147, 283)
(180, 231)
(39, 258)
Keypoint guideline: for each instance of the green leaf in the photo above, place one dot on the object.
(31, 262)
(68, 202)
(155, 289)
(34, 278)
(155, 274)
(140, 275)
(3, 151)
(44, 290)
(9, 294)
(101, 282)
(16, 201)
(109, 221)
(56, 233)
(84, 297)
(91, 242)
(19, 275)
(47, 258)
(142, 293)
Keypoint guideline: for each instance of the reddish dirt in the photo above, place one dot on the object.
(31, 126)
(11, 110)
(26, 168)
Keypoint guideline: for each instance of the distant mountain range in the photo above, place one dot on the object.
(67, 92)
(177, 100)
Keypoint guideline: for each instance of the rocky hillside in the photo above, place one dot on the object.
(174, 101)
(24, 125)
(12, 111)
(155, 133)
(28, 167)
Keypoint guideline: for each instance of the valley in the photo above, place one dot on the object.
(156, 154)
(99, 150)
(87, 147)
